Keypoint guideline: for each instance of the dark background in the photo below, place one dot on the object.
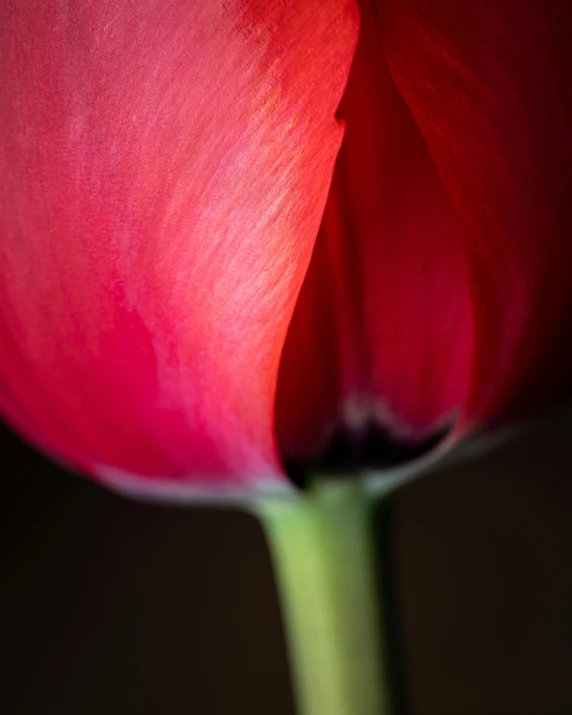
(118, 608)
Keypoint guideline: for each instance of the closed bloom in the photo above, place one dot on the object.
(205, 274)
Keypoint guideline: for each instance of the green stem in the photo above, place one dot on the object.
(322, 550)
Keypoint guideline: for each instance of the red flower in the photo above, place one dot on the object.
(165, 171)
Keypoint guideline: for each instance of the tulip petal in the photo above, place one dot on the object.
(488, 85)
(387, 285)
(165, 167)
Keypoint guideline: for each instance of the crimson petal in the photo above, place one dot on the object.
(164, 170)
(385, 308)
(488, 85)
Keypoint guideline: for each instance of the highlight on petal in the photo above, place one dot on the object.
(165, 168)
(488, 86)
(385, 307)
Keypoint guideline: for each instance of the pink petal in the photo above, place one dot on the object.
(488, 85)
(165, 167)
(385, 309)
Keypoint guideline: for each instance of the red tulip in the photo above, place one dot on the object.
(165, 171)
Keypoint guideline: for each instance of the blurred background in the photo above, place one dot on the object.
(111, 606)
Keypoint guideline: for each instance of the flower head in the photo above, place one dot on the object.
(169, 320)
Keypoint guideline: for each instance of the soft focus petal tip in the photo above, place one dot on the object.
(205, 492)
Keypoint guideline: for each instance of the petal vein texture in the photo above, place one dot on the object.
(165, 168)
